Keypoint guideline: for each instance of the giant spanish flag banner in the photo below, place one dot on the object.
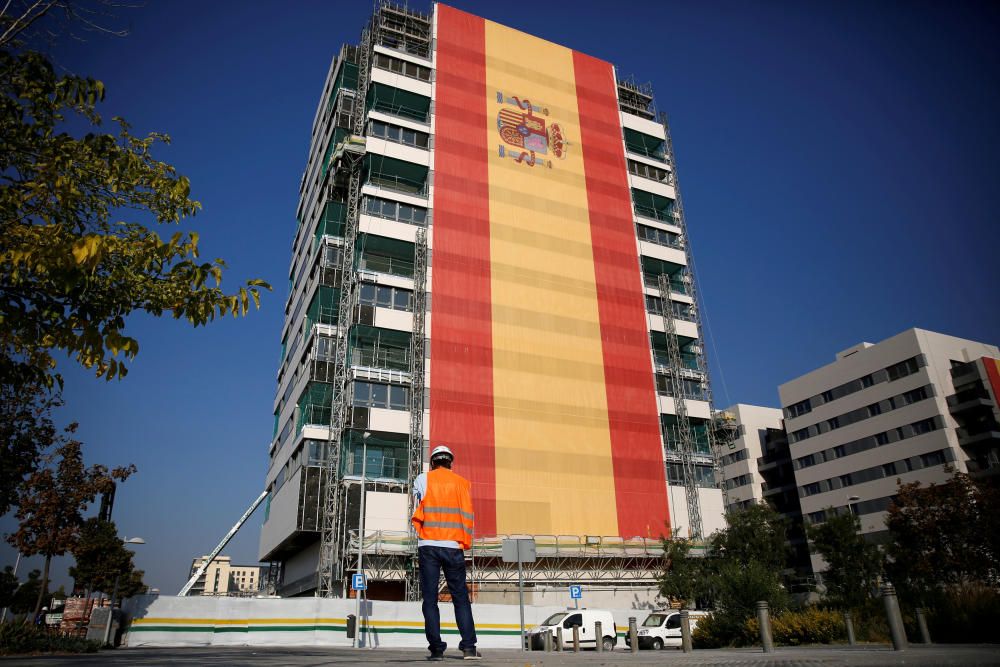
(540, 372)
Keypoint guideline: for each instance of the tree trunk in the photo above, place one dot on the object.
(41, 591)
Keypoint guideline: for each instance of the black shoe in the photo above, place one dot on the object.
(471, 654)
(436, 657)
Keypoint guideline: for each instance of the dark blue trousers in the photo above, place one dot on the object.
(432, 561)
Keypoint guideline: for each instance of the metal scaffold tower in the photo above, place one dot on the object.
(415, 462)
(685, 434)
(331, 539)
(715, 418)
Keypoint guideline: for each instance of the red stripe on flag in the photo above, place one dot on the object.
(461, 400)
(636, 450)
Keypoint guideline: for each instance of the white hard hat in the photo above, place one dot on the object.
(442, 451)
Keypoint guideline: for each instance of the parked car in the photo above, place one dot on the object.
(586, 620)
(663, 628)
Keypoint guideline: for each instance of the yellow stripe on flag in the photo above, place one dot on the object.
(553, 445)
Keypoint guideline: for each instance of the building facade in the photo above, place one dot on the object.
(491, 254)
(879, 416)
(225, 579)
(975, 406)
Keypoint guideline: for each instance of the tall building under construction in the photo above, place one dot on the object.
(491, 254)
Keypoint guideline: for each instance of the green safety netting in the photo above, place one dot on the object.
(398, 102)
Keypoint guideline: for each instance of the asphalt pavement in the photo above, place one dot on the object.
(964, 655)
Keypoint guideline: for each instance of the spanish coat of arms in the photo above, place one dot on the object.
(529, 136)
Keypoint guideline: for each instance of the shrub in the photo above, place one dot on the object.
(965, 614)
(808, 626)
(26, 638)
(718, 630)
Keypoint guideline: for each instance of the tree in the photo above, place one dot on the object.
(8, 586)
(853, 564)
(943, 534)
(51, 502)
(70, 271)
(101, 558)
(687, 578)
(26, 426)
(28, 594)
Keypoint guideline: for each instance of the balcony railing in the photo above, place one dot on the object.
(391, 265)
(648, 152)
(400, 110)
(393, 358)
(396, 184)
(654, 214)
(677, 285)
(377, 467)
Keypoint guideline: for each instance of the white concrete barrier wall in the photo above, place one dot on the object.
(219, 621)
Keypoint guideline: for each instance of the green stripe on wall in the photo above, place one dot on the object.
(301, 628)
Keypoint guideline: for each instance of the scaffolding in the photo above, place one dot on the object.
(415, 459)
(400, 28)
(717, 424)
(636, 98)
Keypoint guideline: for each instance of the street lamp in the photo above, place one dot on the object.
(850, 504)
(114, 593)
(361, 534)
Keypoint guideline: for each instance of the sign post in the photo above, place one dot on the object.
(576, 592)
(519, 550)
(359, 585)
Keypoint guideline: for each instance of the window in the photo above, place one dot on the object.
(648, 171)
(799, 409)
(395, 298)
(817, 517)
(914, 395)
(833, 423)
(889, 469)
(874, 409)
(845, 480)
(403, 67)
(390, 210)
(674, 622)
(658, 236)
(839, 451)
(374, 395)
(400, 135)
(801, 434)
(867, 381)
(923, 426)
(811, 489)
(827, 396)
(932, 459)
(902, 369)
(573, 619)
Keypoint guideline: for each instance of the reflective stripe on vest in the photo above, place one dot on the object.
(445, 511)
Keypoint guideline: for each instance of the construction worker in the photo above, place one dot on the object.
(443, 520)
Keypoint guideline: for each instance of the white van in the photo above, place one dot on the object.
(663, 628)
(586, 619)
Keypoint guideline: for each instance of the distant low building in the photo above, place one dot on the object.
(225, 579)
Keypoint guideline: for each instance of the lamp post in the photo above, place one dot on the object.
(850, 504)
(114, 592)
(361, 534)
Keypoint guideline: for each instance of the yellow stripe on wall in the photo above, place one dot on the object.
(553, 448)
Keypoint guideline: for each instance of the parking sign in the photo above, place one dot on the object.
(576, 592)
(358, 582)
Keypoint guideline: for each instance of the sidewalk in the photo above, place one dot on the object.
(964, 655)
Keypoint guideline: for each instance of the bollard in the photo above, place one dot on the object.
(598, 637)
(894, 618)
(925, 635)
(764, 621)
(547, 641)
(352, 625)
(849, 622)
(686, 631)
(576, 639)
(559, 639)
(633, 635)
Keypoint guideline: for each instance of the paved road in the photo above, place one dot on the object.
(965, 655)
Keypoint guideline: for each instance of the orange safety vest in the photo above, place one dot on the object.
(445, 511)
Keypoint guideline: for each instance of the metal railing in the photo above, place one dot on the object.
(391, 265)
(654, 214)
(396, 359)
(397, 184)
(400, 110)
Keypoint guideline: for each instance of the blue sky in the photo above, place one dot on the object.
(837, 161)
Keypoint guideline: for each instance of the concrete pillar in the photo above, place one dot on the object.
(894, 618)
(547, 641)
(764, 621)
(686, 644)
(633, 634)
(559, 639)
(576, 639)
(925, 635)
(849, 622)
(598, 637)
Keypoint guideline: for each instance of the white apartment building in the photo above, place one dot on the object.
(225, 579)
(742, 480)
(875, 418)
